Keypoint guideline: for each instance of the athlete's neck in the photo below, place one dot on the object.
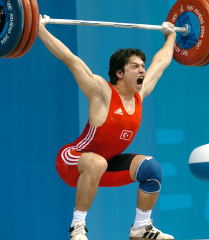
(123, 91)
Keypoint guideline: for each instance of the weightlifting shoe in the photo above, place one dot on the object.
(78, 231)
(148, 232)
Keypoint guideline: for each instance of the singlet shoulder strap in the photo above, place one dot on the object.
(115, 98)
(138, 98)
(111, 86)
(114, 92)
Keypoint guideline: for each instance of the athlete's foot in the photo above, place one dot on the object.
(78, 231)
(148, 232)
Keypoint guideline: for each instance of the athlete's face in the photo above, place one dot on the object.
(134, 73)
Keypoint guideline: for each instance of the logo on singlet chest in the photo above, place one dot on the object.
(126, 135)
(119, 111)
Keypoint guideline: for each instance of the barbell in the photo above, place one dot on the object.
(19, 23)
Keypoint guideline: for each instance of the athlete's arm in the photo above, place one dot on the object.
(86, 80)
(160, 62)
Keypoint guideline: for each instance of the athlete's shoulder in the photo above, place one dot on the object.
(100, 81)
(101, 90)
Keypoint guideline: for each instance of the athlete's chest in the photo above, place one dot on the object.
(119, 126)
(128, 105)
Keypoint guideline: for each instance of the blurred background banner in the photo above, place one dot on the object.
(42, 109)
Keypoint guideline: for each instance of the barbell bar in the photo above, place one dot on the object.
(184, 30)
(190, 18)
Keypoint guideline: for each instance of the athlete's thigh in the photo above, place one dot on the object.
(118, 171)
(67, 165)
(92, 163)
(71, 163)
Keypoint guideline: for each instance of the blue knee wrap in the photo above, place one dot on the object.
(149, 175)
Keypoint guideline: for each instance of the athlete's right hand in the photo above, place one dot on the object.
(42, 22)
(44, 19)
(167, 28)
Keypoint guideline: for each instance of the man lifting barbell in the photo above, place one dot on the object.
(96, 158)
(115, 105)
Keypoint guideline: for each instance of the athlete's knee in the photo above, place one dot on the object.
(92, 163)
(149, 175)
(99, 165)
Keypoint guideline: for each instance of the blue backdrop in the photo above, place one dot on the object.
(42, 109)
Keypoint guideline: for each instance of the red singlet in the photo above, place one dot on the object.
(108, 140)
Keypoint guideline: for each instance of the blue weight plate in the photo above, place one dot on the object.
(2, 18)
(187, 42)
(11, 25)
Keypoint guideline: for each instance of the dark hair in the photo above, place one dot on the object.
(119, 59)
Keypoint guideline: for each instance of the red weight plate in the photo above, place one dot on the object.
(34, 28)
(199, 52)
(26, 31)
(206, 60)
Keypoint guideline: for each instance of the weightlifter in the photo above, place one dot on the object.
(96, 158)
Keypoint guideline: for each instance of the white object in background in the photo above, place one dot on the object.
(199, 162)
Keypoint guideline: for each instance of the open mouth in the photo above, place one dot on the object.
(140, 80)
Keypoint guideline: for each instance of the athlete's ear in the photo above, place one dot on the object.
(120, 74)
